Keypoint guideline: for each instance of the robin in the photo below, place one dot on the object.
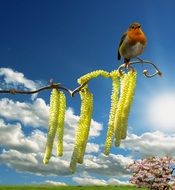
(132, 43)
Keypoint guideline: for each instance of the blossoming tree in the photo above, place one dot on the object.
(154, 173)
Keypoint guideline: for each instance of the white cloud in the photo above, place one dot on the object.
(89, 181)
(56, 183)
(12, 137)
(17, 78)
(115, 181)
(92, 147)
(32, 163)
(150, 144)
(34, 114)
(25, 153)
(112, 165)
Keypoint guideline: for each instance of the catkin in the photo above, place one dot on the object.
(94, 74)
(60, 123)
(128, 102)
(82, 131)
(128, 83)
(85, 124)
(119, 113)
(52, 124)
(114, 102)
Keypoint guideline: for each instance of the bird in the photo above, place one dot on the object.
(132, 43)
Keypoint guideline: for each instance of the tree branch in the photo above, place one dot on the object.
(145, 72)
(76, 90)
(51, 86)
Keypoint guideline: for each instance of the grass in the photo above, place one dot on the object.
(46, 187)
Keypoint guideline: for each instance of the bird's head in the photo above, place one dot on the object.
(135, 27)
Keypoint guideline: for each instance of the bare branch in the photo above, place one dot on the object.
(14, 91)
(76, 90)
(48, 87)
(145, 72)
(51, 86)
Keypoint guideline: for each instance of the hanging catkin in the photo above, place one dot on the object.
(56, 123)
(60, 124)
(128, 102)
(126, 96)
(114, 102)
(52, 125)
(82, 131)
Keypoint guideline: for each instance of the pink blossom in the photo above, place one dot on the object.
(154, 173)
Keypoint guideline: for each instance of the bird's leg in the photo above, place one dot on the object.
(126, 62)
(126, 65)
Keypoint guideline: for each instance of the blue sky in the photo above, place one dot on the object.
(64, 40)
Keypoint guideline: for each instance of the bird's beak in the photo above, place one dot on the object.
(138, 28)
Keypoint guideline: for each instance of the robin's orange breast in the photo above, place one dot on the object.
(135, 36)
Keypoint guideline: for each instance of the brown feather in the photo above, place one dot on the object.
(121, 41)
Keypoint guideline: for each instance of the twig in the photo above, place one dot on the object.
(76, 90)
(48, 87)
(51, 86)
(145, 72)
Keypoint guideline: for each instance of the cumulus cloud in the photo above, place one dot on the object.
(25, 153)
(16, 78)
(115, 181)
(56, 183)
(150, 144)
(112, 165)
(89, 180)
(92, 147)
(12, 137)
(32, 163)
(34, 114)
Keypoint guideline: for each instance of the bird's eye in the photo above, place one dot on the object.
(133, 27)
(139, 26)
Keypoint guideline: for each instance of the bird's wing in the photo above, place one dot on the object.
(121, 41)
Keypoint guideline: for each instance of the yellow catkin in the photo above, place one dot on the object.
(91, 75)
(52, 124)
(119, 113)
(114, 102)
(61, 117)
(85, 123)
(128, 102)
(82, 131)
